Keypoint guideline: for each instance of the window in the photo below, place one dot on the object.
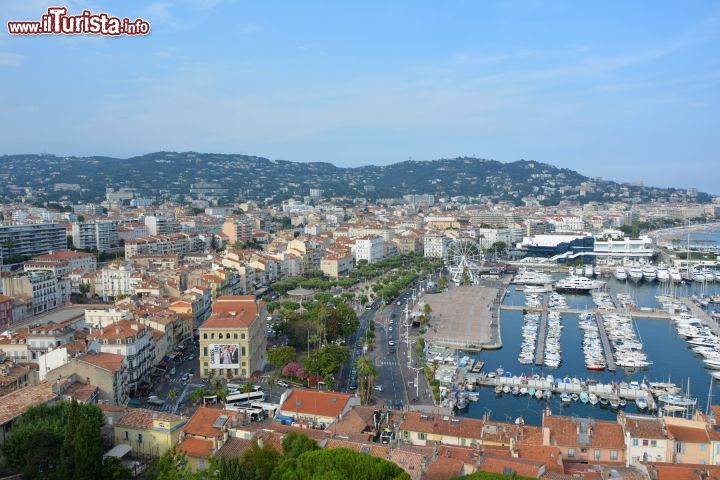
(201, 464)
(126, 435)
(635, 442)
(702, 447)
(597, 454)
(571, 452)
(653, 443)
(422, 436)
(220, 336)
(242, 336)
(243, 351)
(205, 336)
(205, 353)
(679, 447)
(139, 437)
(613, 455)
(235, 336)
(212, 336)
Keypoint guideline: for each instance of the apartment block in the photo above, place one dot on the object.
(99, 235)
(370, 248)
(62, 263)
(177, 244)
(335, 266)
(31, 239)
(237, 231)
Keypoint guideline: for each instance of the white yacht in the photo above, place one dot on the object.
(588, 271)
(675, 274)
(575, 284)
(620, 273)
(663, 275)
(635, 273)
(649, 273)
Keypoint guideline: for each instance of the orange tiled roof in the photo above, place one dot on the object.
(688, 434)
(201, 424)
(314, 402)
(444, 468)
(15, 403)
(143, 418)
(194, 447)
(109, 361)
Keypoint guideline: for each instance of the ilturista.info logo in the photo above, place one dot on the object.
(57, 22)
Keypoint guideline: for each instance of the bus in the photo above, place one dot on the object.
(269, 408)
(234, 387)
(236, 398)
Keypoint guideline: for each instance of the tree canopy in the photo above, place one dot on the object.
(338, 464)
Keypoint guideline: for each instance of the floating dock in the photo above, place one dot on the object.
(542, 333)
(698, 312)
(653, 314)
(609, 391)
(607, 348)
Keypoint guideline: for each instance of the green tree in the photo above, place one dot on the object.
(427, 309)
(330, 381)
(172, 465)
(260, 461)
(295, 444)
(222, 468)
(172, 394)
(113, 470)
(366, 373)
(281, 356)
(337, 463)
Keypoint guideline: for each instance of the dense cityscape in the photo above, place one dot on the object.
(215, 330)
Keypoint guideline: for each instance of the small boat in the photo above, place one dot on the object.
(506, 389)
(498, 389)
(500, 371)
(531, 391)
(516, 390)
(538, 394)
(584, 397)
(473, 396)
(641, 403)
(565, 397)
(548, 394)
(574, 397)
(492, 375)
(523, 391)
(604, 401)
(622, 402)
(614, 402)
(593, 399)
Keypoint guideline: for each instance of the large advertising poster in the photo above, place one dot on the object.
(224, 356)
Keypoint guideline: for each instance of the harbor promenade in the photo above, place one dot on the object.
(542, 333)
(607, 348)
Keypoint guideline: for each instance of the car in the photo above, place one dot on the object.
(391, 343)
(173, 371)
(155, 400)
(185, 377)
(392, 350)
(352, 386)
(378, 388)
(390, 328)
(398, 303)
(191, 357)
(283, 383)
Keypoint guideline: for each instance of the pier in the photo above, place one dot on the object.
(607, 348)
(542, 332)
(652, 314)
(698, 312)
(556, 386)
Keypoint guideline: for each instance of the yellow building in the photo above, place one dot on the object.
(690, 440)
(148, 432)
(232, 340)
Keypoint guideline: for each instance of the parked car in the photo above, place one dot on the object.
(155, 400)
(283, 383)
(378, 388)
(185, 377)
(391, 343)
(173, 371)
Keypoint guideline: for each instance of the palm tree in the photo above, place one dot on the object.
(427, 309)
(172, 394)
(366, 372)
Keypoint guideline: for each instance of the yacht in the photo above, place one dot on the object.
(620, 273)
(663, 275)
(531, 277)
(635, 273)
(588, 271)
(577, 284)
(675, 275)
(649, 273)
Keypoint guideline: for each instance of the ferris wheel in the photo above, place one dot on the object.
(464, 260)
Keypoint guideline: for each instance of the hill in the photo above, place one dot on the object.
(173, 175)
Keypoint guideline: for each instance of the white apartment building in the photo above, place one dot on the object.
(62, 263)
(44, 288)
(486, 237)
(116, 280)
(613, 247)
(101, 235)
(370, 248)
(161, 225)
(176, 243)
(435, 245)
(101, 318)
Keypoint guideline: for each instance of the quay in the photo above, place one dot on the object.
(607, 348)
(556, 386)
(542, 334)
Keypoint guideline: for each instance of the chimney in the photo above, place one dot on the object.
(546, 435)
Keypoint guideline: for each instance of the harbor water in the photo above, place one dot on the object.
(671, 357)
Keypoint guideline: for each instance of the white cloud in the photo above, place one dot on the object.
(10, 59)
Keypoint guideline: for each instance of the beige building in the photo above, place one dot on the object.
(232, 340)
(107, 371)
(237, 231)
(335, 266)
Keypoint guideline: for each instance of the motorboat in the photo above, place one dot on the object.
(574, 397)
(584, 397)
(593, 399)
(635, 273)
(641, 403)
(577, 284)
(498, 389)
(604, 401)
(622, 403)
(523, 390)
(516, 390)
(548, 394)
(620, 273)
(663, 275)
(506, 389)
(675, 275)
(588, 271)
(614, 402)
(473, 396)
(539, 394)
(649, 273)
(565, 397)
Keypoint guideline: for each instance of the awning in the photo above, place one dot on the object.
(119, 451)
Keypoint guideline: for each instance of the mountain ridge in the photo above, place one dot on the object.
(169, 175)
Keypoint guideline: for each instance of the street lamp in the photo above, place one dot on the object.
(417, 380)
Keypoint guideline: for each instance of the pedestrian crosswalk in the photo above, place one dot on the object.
(387, 363)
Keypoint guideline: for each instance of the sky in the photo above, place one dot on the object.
(623, 90)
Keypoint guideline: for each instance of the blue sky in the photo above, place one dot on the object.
(623, 90)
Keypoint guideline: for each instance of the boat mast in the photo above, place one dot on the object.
(707, 407)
